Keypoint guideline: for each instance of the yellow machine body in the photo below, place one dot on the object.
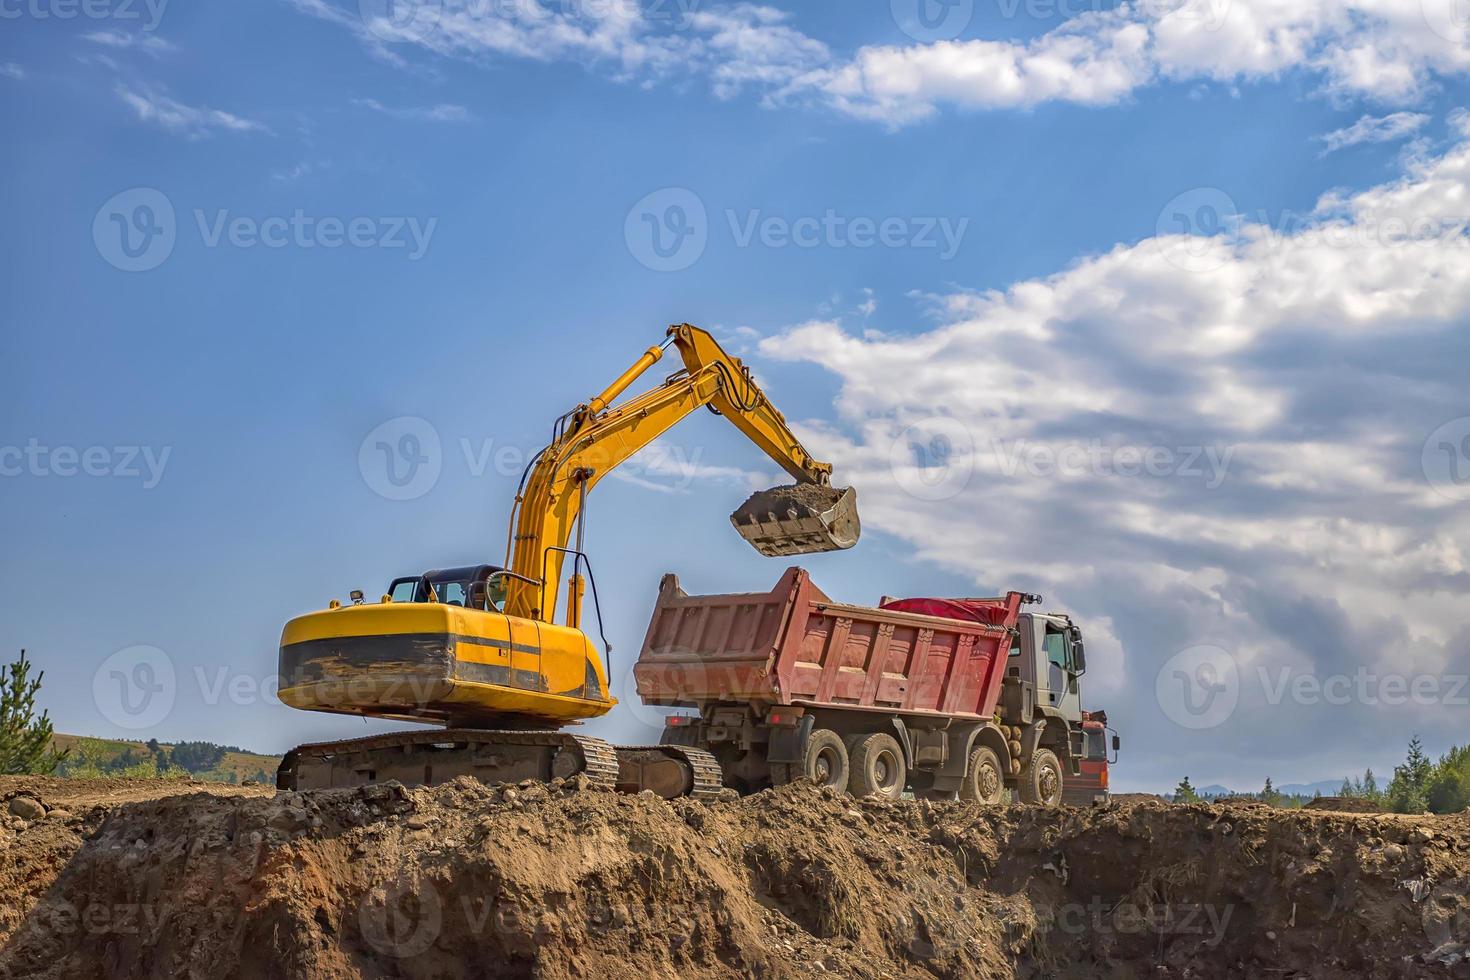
(430, 661)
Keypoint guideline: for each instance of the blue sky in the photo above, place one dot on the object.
(1174, 226)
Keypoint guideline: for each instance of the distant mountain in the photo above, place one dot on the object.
(1327, 787)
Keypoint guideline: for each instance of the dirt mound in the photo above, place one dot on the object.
(1344, 804)
(550, 882)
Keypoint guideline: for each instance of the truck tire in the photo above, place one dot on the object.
(1041, 783)
(823, 761)
(984, 782)
(877, 767)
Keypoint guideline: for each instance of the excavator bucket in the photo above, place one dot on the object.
(799, 520)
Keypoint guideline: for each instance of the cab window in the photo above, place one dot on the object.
(403, 590)
(1056, 650)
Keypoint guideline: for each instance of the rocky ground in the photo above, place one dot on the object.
(146, 879)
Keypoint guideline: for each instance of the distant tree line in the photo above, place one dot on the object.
(1420, 785)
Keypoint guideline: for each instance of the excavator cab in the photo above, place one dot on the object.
(473, 586)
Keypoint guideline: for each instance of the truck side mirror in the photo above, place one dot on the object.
(1117, 743)
(1079, 657)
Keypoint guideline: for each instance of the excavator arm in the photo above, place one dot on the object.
(596, 437)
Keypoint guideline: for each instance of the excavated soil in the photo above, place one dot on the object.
(464, 880)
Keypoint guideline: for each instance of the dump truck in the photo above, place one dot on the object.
(938, 697)
(498, 655)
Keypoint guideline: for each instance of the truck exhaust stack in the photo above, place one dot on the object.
(799, 520)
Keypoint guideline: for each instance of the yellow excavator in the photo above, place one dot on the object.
(478, 650)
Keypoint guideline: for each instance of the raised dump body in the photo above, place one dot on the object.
(932, 696)
(796, 646)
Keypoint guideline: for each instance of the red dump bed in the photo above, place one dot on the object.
(793, 645)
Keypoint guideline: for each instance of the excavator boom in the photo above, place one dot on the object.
(478, 648)
(596, 437)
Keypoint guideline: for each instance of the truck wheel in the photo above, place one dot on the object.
(1041, 783)
(823, 761)
(877, 767)
(983, 781)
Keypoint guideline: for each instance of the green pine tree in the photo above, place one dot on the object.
(1407, 793)
(25, 740)
(1184, 792)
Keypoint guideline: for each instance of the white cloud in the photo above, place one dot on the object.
(154, 107)
(1227, 457)
(442, 112)
(1389, 51)
(1374, 129)
(121, 40)
(10, 69)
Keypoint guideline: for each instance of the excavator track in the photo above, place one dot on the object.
(654, 766)
(433, 757)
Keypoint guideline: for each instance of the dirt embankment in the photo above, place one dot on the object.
(465, 880)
